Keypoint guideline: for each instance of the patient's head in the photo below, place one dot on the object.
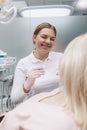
(74, 69)
(74, 76)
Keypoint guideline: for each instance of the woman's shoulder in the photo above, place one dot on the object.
(43, 95)
(38, 97)
(54, 53)
(24, 60)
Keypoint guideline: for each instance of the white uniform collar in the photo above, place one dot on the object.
(34, 59)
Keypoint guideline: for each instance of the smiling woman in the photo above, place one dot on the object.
(38, 71)
(44, 41)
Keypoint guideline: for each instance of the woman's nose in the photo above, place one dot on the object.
(48, 40)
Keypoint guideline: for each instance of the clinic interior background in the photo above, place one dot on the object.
(16, 37)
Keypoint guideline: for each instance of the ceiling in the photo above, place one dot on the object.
(25, 3)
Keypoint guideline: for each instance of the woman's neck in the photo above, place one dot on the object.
(40, 56)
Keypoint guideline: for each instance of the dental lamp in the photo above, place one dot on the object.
(7, 11)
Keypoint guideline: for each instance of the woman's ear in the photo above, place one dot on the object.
(33, 38)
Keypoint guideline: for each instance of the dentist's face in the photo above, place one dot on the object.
(44, 40)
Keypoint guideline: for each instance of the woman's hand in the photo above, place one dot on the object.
(36, 73)
(33, 74)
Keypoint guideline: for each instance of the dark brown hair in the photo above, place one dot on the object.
(44, 25)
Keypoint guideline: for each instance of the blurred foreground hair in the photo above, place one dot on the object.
(74, 77)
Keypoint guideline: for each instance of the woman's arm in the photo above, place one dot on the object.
(22, 83)
(17, 93)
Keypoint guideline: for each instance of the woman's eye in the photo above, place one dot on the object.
(43, 37)
(52, 39)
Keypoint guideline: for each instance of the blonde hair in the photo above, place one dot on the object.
(74, 77)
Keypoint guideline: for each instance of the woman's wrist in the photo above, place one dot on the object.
(26, 89)
(28, 84)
